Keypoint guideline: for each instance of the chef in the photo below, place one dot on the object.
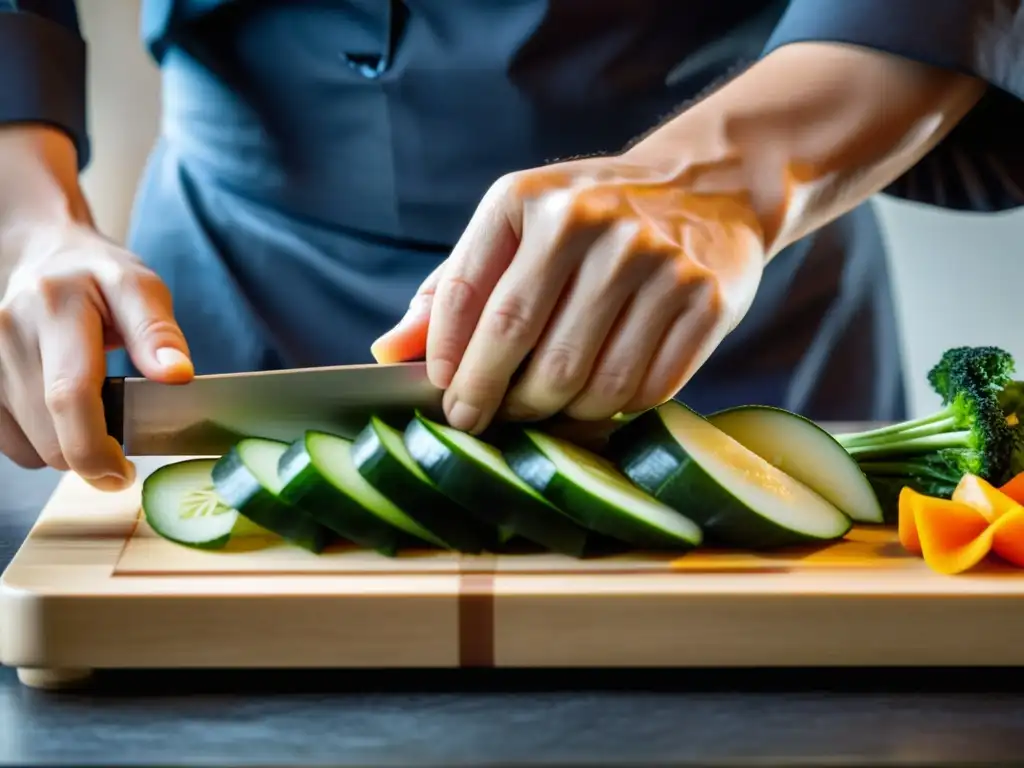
(577, 208)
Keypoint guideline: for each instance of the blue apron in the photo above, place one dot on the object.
(317, 160)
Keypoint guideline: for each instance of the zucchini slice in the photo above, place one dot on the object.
(246, 479)
(805, 452)
(736, 497)
(475, 474)
(319, 475)
(380, 456)
(596, 494)
(180, 503)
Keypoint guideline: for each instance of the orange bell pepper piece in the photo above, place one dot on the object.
(953, 535)
(1014, 488)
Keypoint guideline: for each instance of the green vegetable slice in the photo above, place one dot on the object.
(735, 496)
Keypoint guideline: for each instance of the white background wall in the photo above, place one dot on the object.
(957, 275)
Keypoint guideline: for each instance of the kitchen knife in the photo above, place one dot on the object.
(209, 414)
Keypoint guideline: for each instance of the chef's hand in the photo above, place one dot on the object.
(70, 295)
(611, 281)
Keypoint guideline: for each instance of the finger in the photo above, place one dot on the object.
(23, 392)
(632, 344)
(613, 270)
(512, 321)
(477, 262)
(689, 342)
(408, 339)
(140, 307)
(71, 353)
(14, 445)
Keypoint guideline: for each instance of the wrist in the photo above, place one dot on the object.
(810, 132)
(40, 183)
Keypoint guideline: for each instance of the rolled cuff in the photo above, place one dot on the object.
(979, 166)
(43, 77)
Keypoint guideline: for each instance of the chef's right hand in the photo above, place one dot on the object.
(71, 295)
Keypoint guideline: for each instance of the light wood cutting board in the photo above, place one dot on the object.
(93, 587)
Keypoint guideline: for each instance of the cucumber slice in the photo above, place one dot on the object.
(594, 492)
(380, 455)
(319, 475)
(180, 503)
(246, 478)
(805, 452)
(474, 474)
(736, 497)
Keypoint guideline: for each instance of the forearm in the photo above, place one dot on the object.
(810, 132)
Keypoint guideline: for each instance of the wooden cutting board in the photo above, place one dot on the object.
(93, 587)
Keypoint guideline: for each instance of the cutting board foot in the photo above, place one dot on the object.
(53, 679)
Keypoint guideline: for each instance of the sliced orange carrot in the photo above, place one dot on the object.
(907, 524)
(954, 536)
(1014, 488)
(983, 496)
(1008, 537)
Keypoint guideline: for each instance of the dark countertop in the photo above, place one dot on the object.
(504, 717)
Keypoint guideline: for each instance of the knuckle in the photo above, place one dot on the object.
(561, 368)
(511, 187)
(457, 295)
(613, 385)
(511, 319)
(66, 393)
(126, 277)
(154, 327)
(54, 291)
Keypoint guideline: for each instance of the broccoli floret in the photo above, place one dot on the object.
(989, 368)
(971, 433)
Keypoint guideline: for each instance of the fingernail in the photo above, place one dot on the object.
(463, 416)
(169, 357)
(126, 476)
(377, 348)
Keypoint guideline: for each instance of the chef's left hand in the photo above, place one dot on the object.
(613, 281)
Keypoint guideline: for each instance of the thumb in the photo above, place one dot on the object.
(407, 340)
(143, 315)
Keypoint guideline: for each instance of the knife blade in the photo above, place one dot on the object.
(209, 414)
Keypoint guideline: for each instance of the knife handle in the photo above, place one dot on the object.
(112, 395)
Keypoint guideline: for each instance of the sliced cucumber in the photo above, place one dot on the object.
(319, 475)
(736, 497)
(181, 504)
(380, 455)
(475, 474)
(596, 494)
(246, 478)
(805, 452)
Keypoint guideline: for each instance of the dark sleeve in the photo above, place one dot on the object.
(43, 68)
(980, 164)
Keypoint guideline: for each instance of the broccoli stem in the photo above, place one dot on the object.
(910, 445)
(936, 423)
